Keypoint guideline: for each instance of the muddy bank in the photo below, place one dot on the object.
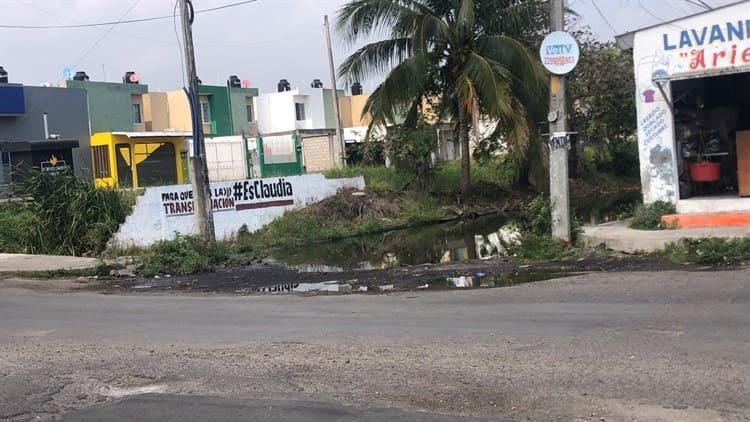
(267, 275)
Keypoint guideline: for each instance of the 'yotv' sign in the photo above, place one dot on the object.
(559, 52)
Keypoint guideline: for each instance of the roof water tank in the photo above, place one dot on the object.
(356, 88)
(130, 78)
(80, 76)
(284, 85)
(234, 82)
(316, 83)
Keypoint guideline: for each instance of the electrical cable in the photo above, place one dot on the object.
(153, 40)
(88, 25)
(104, 35)
(179, 45)
(614, 31)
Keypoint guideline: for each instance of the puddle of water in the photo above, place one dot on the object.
(326, 286)
(440, 243)
(479, 280)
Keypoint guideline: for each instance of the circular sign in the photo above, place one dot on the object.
(245, 83)
(133, 78)
(559, 52)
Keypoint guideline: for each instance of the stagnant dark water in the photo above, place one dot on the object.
(445, 242)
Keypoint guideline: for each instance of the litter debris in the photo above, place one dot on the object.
(362, 288)
(462, 282)
(426, 286)
(387, 287)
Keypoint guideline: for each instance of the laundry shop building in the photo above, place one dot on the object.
(693, 105)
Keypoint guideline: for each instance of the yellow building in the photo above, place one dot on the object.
(139, 159)
(351, 109)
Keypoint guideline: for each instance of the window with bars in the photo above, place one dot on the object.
(100, 155)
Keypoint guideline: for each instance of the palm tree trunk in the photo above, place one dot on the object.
(463, 139)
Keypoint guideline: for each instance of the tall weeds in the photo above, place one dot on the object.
(70, 216)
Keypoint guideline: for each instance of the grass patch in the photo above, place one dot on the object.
(648, 217)
(710, 250)
(100, 269)
(377, 178)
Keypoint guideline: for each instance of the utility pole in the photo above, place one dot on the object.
(339, 131)
(558, 153)
(204, 218)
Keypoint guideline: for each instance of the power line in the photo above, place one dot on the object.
(88, 25)
(593, 2)
(104, 35)
(177, 36)
(699, 3)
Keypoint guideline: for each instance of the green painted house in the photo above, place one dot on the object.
(113, 107)
(228, 111)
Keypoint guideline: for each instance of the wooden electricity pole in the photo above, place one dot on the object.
(339, 131)
(204, 218)
(558, 153)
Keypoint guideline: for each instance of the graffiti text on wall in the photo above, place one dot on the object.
(235, 196)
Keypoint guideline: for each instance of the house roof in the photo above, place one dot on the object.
(38, 145)
(154, 134)
(625, 41)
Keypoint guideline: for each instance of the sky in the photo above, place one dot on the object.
(261, 42)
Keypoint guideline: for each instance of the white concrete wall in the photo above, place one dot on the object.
(315, 108)
(162, 212)
(275, 112)
(699, 46)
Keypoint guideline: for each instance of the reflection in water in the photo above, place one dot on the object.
(449, 242)
(480, 238)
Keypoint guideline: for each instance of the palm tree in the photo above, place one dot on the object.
(467, 54)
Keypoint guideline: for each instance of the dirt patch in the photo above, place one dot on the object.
(253, 278)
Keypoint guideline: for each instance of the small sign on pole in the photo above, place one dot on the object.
(559, 52)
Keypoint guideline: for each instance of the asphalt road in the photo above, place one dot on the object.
(649, 346)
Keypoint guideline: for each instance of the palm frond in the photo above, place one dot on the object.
(375, 58)
(391, 100)
(361, 18)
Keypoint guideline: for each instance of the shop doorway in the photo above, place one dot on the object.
(712, 135)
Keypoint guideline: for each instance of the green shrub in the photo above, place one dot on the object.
(411, 152)
(711, 250)
(648, 217)
(536, 247)
(15, 220)
(183, 255)
(536, 216)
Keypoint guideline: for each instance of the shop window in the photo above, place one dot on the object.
(100, 155)
(299, 111)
